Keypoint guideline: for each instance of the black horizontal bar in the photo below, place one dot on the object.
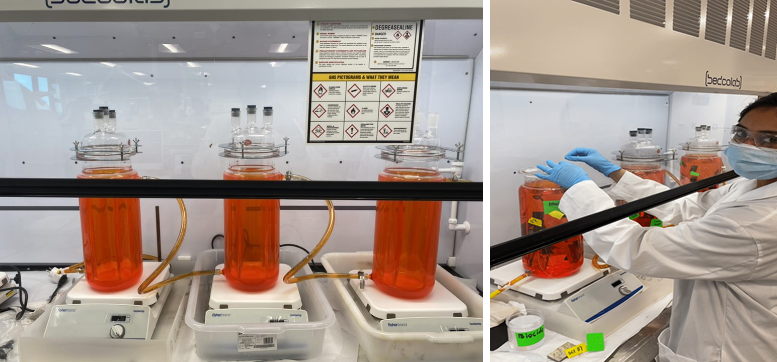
(510, 250)
(288, 208)
(38, 208)
(220, 189)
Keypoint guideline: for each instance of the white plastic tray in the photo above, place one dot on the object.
(35, 348)
(294, 340)
(382, 346)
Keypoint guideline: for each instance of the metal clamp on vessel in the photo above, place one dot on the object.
(247, 150)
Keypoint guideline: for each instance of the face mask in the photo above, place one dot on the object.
(751, 162)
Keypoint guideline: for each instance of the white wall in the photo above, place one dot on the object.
(530, 127)
(469, 247)
(689, 110)
(181, 116)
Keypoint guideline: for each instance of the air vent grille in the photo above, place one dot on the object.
(717, 14)
(649, 11)
(687, 14)
(758, 26)
(771, 37)
(613, 6)
(739, 14)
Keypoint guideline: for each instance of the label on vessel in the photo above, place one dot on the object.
(524, 339)
(656, 222)
(535, 222)
(556, 214)
(551, 206)
(363, 81)
(256, 342)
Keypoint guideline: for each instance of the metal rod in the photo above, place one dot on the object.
(158, 236)
(510, 250)
(227, 189)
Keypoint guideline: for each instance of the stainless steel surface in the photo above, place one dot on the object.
(643, 347)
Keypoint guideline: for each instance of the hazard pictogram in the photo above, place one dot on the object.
(386, 111)
(389, 90)
(351, 131)
(353, 111)
(354, 90)
(407, 35)
(320, 91)
(385, 131)
(397, 35)
(319, 111)
(318, 131)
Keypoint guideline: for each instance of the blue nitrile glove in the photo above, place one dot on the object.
(592, 158)
(563, 174)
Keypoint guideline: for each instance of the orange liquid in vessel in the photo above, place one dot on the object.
(561, 259)
(699, 167)
(252, 234)
(112, 238)
(406, 238)
(655, 174)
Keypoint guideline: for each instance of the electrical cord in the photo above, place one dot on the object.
(23, 296)
(213, 241)
(303, 249)
(60, 284)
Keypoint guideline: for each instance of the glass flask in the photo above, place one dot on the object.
(539, 201)
(701, 159)
(407, 232)
(252, 230)
(110, 227)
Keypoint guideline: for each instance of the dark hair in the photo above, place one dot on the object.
(768, 101)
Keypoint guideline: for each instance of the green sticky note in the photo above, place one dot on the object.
(632, 217)
(595, 342)
(551, 206)
(529, 338)
(693, 173)
(656, 222)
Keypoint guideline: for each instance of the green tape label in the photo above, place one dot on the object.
(551, 206)
(632, 217)
(529, 338)
(693, 173)
(656, 222)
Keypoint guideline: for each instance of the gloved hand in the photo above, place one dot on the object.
(563, 174)
(592, 158)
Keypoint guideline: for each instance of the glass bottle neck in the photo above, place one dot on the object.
(246, 162)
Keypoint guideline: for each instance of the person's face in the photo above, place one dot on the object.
(760, 120)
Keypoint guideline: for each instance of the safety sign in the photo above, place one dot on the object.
(363, 81)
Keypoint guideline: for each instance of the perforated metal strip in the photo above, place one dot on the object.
(739, 14)
(649, 11)
(687, 15)
(613, 6)
(716, 22)
(758, 27)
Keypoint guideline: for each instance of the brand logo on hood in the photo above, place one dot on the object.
(732, 82)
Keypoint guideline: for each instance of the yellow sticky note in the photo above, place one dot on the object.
(557, 214)
(536, 222)
(576, 350)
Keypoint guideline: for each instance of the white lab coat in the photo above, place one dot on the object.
(722, 254)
